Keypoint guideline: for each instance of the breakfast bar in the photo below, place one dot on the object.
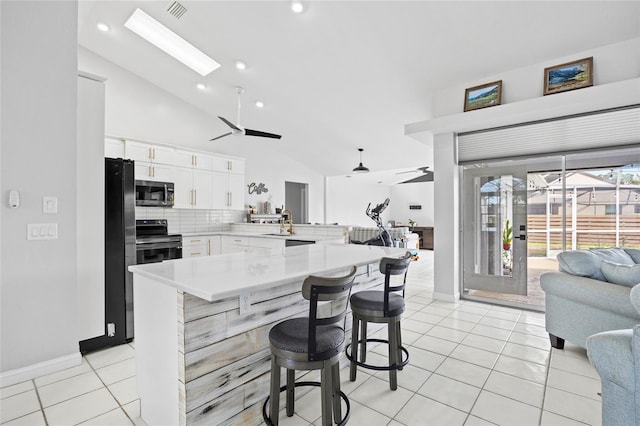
(202, 324)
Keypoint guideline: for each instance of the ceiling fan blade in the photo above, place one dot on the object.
(408, 171)
(221, 136)
(250, 132)
(230, 124)
(426, 177)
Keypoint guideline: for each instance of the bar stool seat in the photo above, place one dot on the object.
(380, 307)
(371, 303)
(313, 343)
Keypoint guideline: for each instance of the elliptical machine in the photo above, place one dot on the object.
(384, 237)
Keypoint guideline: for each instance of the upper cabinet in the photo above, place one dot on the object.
(140, 151)
(228, 165)
(195, 160)
(202, 181)
(114, 148)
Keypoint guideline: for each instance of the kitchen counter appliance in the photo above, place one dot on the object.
(154, 243)
(154, 194)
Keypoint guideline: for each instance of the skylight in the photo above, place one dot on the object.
(168, 41)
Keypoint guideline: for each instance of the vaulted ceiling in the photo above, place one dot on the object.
(348, 74)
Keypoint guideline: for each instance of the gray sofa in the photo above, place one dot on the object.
(590, 294)
(616, 357)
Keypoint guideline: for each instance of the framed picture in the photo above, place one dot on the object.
(483, 96)
(569, 76)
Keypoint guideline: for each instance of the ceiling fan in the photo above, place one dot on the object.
(237, 129)
(427, 175)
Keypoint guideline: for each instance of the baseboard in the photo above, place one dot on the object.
(29, 372)
(445, 297)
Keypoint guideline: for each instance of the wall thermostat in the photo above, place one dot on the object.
(14, 199)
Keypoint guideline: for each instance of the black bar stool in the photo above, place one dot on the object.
(380, 307)
(313, 343)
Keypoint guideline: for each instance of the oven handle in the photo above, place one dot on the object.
(156, 246)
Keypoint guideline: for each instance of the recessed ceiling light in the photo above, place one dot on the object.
(103, 27)
(201, 86)
(241, 65)
(297, 6)
(259, 104)
(168, 41)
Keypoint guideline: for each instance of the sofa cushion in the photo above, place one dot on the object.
(616, 273)
(581, 263)
(615, 255)
(587, 263)
(634, 254)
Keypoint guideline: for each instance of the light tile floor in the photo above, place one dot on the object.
(470, 364)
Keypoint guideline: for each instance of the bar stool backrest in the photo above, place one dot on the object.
(394, 266)
(324, 289)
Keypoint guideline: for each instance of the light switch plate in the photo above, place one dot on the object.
(42, 231)
(50, 205)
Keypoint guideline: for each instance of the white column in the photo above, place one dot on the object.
(446, 219)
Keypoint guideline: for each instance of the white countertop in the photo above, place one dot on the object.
(294, 236)
(227, 275)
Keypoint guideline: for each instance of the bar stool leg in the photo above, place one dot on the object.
(274, 398)
(363, 339)
(399, 335)
(354, 348)
(337, 401)
(393, 355)
(291, 383)
(326, 390)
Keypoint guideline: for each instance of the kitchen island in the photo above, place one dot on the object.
(202, 324)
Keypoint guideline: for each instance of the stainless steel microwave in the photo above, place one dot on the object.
(154, 194)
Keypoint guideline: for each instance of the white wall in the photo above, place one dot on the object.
(347, 201)
(612, 63)
(138, 109)
(37, 156)
(406, 194)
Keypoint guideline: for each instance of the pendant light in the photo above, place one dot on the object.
(360, 168)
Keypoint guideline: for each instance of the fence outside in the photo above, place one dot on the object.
(590, 231)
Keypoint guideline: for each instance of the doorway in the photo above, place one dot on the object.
(296, 199)
(570, 202)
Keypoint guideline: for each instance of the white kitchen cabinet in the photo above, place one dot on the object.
(140, 151)
(233, 244)
(236, 192)
(191, 159)
(269, 243)
(195, 246)
(155, 172)
(228, 165)
(227, 191)
(114, 148)
(215, 245)
(192, 188)
(182, 188)
(200, 245)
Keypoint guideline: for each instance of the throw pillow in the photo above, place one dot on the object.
(616, 273)
(581, 263)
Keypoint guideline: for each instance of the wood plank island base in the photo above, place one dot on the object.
(202, 325)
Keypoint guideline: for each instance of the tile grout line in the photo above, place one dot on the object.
(44, 415)
(109, 390)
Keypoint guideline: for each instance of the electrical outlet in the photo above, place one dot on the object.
(245, 303)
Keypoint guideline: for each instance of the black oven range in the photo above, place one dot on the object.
(154, 243)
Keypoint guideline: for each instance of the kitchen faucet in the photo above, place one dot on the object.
(290, 230)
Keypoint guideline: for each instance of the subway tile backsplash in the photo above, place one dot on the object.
(185, 221)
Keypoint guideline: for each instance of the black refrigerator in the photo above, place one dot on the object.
(120, 253)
